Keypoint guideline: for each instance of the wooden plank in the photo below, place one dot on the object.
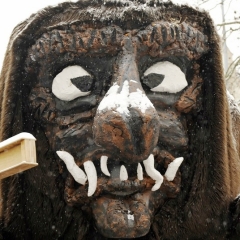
(17, 154)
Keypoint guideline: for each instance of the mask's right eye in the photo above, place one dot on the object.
(72, 82)
(165, 77)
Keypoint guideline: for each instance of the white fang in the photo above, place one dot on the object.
(103, 165)
(92, 177)
(173, 168)
(139, 172)
(77, 173)
(123, 173)
(153, 173)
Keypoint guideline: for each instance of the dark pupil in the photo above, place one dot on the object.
(153, 80)
(83, 83)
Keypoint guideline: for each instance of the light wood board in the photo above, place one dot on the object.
(17, 154)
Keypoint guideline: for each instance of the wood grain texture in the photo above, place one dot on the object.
(17, 157)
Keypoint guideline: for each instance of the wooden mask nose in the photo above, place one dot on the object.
(126, 123)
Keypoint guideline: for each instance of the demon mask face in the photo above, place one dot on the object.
(113, 99)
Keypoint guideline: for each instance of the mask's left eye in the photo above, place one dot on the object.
(71, 83)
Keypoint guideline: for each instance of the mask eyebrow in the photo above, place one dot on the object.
(78, 40)
(174, 38)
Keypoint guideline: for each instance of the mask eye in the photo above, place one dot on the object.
(71, 83)
(165, 77)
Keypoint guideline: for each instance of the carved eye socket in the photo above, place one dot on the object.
(165, 77)
(71, 83)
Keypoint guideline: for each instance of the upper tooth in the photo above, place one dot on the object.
(139, 172)
(77, 173)
(153, 173)
(92, 177)
(103, 165)
(123, 173)
(172, 168)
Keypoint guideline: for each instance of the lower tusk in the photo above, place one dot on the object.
(153, 173)
(157, 185)
(77, 173)
(173, 168)
(92, 177)
(103, 165)
(123, 173)
(139, 172)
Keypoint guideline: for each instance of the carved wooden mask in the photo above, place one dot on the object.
(115, 100)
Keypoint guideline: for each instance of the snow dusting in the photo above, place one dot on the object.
(16, 138)
(122, 100)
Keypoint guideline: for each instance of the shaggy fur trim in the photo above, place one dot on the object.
(215, 161)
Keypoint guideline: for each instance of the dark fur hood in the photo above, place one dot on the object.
(214, 170)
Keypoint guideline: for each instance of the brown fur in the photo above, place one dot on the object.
(214, 180)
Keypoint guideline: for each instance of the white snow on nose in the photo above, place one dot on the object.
(123, 100)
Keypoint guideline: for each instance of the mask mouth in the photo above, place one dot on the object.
(122, 197)
(106, 175)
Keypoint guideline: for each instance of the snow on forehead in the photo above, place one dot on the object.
(114, 10)
(192, 3)
(151, 7)
(122, 100)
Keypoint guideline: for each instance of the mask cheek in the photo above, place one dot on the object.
(189, 99)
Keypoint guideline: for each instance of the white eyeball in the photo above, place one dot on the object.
(165, 77)
(72, 82)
